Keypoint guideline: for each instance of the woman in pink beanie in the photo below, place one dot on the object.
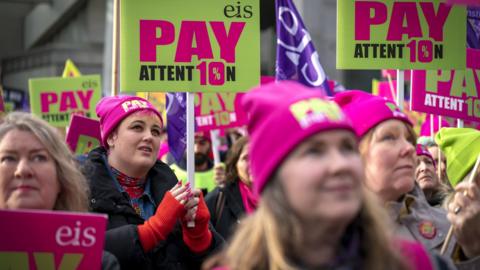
(313, 212)
(387, 146)
(427, 179)
(148, 208)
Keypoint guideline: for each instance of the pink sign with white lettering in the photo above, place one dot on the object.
(454, 93)
(51, 240)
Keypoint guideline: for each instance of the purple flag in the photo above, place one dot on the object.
(177, 124)
(297, 58)
(473, 27)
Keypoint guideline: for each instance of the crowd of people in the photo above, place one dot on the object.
(317, 183)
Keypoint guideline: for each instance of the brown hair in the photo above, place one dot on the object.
(73, 194)
(231, 173)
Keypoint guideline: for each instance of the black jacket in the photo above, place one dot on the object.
(122, 238)
(233, 209)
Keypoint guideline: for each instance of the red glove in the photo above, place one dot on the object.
(198, 238)
(158, 226)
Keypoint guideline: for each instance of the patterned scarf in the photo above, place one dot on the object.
(133, 186)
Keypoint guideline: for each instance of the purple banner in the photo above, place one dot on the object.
(297, 58)
(473, 27)
(177, 124)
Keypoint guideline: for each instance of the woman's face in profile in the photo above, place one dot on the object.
(28, 176)
(243, 167)
(390, 160)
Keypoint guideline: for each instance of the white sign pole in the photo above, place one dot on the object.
(190, 144)
(214, 134)
(400, 89)
(190, 139)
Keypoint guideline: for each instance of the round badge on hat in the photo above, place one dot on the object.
(427, 229)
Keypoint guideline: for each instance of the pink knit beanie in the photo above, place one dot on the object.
(422, 151)
(112, 110)
(282, 115)
(367, 111)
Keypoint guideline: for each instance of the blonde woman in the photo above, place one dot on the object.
(313, 212)
(38, 171)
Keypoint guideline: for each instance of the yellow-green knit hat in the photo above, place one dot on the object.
(461, 147)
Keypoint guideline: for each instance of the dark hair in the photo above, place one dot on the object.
(231, 173)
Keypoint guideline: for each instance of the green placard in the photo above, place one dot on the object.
(189, 45)
(55, 99)
(390, 34)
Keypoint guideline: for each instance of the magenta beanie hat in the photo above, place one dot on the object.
(112, 110)
(282, 115)
(367, 111)
(422, 151)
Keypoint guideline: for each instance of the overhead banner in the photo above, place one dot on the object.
(218, 111)
(398, 34)
(56, 99)
(189, 45)
(454, 93)
(83, 134)
(51, 240)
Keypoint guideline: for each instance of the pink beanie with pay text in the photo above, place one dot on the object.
(367, 111)
(282, 115)
(113, 109)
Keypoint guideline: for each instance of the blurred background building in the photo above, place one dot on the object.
(37, 36)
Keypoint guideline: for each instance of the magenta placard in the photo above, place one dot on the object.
(83, 134)
(454, 93)
(465, 2)
(51, 240)
(218, 111)
(385, 91)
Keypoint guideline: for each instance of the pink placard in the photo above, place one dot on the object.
(266, 79)
(51, 240)
(83, 134)
(454, 93)
(384, 90)
(218, 111)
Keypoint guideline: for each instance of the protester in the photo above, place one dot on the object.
(427, 179)
(149, 209)
(37, 170)
(432, 147)
(313, 212)
(204, 167)
(228, 204)
(387, 147)
(234, 134)
(462, 148)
